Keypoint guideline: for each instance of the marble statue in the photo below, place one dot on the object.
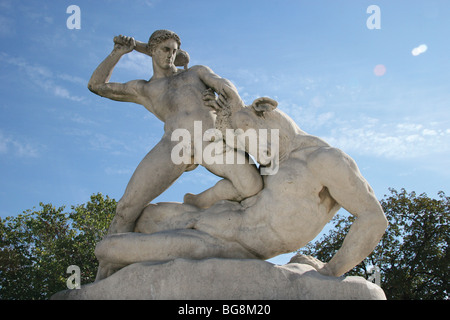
(246, 215)
(174, 96)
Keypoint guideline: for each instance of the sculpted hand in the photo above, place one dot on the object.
(320, 266)
(217, 103)
(230, 97)
(124, 44)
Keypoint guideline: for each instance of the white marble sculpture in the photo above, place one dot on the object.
(174, 96)
(246, 215)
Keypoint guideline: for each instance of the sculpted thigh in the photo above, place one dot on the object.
(223, 220)
(167, 216)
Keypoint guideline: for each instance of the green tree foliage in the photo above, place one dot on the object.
(36, 247)
(413, 255)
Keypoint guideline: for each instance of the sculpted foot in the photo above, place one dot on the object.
(320, 266)
(105, 270)
(118, 227)
(197, 200)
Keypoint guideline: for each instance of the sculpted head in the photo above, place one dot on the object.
(160, 36)
(160, 42)
(255, 132)
(263, 116)
(255, 115)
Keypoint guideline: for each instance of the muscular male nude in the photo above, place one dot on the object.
(174, 96)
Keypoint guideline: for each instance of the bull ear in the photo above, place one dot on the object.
(264, 104)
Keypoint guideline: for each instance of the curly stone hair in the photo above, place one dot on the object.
(159, 36)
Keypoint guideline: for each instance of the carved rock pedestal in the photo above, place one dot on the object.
(218, 279)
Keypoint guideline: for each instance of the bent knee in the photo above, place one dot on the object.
(100, 250)
(122, 208)
(250, 186)
(112, 248)
(128, 211)
(256, 186)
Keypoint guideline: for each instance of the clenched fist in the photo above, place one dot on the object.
(124, 44)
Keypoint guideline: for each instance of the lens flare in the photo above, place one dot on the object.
(379, 70)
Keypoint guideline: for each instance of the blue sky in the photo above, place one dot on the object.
(60, 143)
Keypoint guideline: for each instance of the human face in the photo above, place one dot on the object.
(164, 54)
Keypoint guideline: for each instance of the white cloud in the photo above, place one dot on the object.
(102, 142)
(199, 176)
(82, 120)
(118, 143)
(43, 77)
(16, 147)
(60, 91)
(138, 64)
(405, 127)
(389, 140)
(429, 132)
(308, 117)
(118, 171)
(73, 79)
(330, 113)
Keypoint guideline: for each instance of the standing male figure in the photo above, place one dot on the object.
(175, 97)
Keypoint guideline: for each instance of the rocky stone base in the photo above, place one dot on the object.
(223, 279)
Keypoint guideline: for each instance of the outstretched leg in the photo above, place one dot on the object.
(241, 181)
(119, 250)
(165, 216)
(154, 175)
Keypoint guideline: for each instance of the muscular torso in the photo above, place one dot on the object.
(296, 203)
(287, 214)
(177, 101)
